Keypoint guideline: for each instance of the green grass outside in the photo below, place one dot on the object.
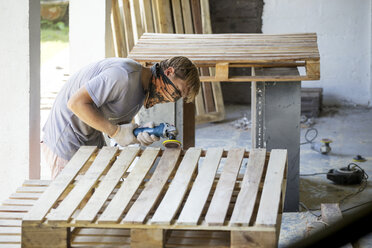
(54, 38)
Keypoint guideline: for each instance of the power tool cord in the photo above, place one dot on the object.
(310, 140)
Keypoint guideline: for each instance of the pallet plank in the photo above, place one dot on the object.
(18, 202)
(128, 29)
(187, 17)
(177, 190)
(245, 202)
(8, 208)
(147, 17)
(121, 50)
(150, 194)
(10, 223)
(10, 230)
(271, 193)
(58, 186)
(221, 199)
(108, 184)
(129, 187)
(177, 16)
(38, 183)
(200, 190)
(84, 185)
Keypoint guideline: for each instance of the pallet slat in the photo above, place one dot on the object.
(83, 186)
(108, 184)
(58, 186)
(200, 190)
(121, 199)
(221, 199)
(244, 205)
(271, 193)
(150, 194)
(177, 190)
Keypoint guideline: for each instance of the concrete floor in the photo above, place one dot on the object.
(350, 130)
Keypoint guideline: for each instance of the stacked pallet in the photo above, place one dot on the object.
(183, 202)
(311, 101)
(225, 51)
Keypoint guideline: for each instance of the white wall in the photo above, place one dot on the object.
(344, 40)
(90, 32)
(19, 92)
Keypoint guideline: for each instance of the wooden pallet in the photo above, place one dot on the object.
(225, 51)
(157, 198)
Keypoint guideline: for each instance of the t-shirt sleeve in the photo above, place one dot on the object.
(108, 86)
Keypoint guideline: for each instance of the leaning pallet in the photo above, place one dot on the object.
(156, 198)
(168, 16)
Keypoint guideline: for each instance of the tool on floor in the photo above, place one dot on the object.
(323, 147)
(351, 174)
(359, 158)
(163, 130)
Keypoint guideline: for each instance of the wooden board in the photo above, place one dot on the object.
(200, 190)
(176, 192)
(222, 196)
(271, 193)
(246, 200)
(150, 194)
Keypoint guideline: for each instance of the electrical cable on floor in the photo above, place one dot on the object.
(310, 140)
(362, 186)
(310, 210)
(313, 174)
(359, 205)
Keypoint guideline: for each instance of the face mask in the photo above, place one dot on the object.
(161, 89)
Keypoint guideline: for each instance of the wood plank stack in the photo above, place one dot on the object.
(191, 198)
(132, 18)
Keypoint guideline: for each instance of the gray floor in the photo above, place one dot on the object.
(350, 129)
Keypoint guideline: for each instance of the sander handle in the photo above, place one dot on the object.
(157, 130)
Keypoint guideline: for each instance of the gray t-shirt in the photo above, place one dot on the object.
(114, 85)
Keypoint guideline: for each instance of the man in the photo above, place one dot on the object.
(103, 97)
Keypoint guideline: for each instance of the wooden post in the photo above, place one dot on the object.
(45, 237)
(144, 238)
(262, 238)
(313, 69)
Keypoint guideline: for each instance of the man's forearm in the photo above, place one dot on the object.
(91, 116)
(83, 107)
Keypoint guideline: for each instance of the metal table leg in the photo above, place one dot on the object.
(276, 112)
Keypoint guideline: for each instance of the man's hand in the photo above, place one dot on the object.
(124, 134)
(144, 138)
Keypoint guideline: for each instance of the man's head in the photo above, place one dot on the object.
(184, 74)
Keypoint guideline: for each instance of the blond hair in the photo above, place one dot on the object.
(186, 70)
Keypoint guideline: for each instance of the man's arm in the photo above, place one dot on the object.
(82, 105)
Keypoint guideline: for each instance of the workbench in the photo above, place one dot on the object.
(275, 62)
(192, 198)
